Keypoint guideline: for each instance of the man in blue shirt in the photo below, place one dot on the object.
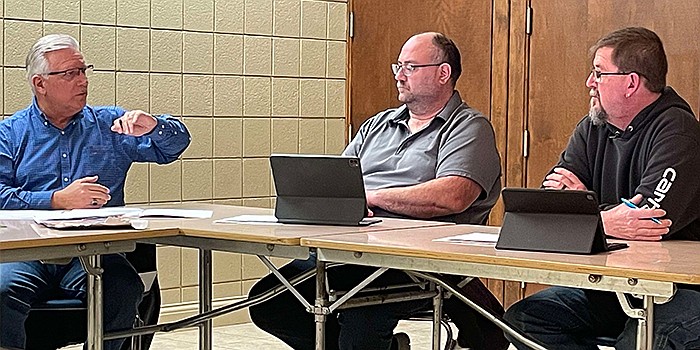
(59, 153)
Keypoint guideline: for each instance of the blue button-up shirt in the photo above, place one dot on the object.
(37, 158)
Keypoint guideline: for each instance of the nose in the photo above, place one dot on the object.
(590, 81)
(399, 76)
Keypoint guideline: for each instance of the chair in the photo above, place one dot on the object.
(606, 341)
(450, 341)
(66, 321)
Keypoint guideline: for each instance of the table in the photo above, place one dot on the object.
(648, 269)
(263, 240)
(23, 240)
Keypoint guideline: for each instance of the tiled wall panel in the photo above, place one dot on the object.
(249, 78)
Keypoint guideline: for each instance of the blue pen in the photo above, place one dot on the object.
(634, 206)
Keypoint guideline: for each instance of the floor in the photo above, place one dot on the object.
(247, 336)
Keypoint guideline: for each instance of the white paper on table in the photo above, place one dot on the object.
(19, 214)
(51, 215)
(48, 215)
(473, 237)
(259, 219)
(177, 213)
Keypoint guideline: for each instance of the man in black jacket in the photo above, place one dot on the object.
(640, 140)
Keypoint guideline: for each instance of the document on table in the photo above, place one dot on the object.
(176, 213)
(471, 238)
(111, 217)
(49, 215)
(19, 214)
(249, 219)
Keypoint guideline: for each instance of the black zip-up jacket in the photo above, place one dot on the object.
(657, 155)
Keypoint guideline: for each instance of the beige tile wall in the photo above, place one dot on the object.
(248, 77)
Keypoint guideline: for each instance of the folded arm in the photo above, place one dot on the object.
(438, 197)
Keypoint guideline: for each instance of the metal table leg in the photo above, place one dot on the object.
(437, 316)
(320, 305)
(205, 298)
(92, 265)
(645, 319)
(645, 326)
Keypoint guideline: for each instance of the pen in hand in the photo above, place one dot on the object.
(634, 206)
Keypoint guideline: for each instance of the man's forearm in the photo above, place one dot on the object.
(14, 198)
(169, 139)
(435, 198)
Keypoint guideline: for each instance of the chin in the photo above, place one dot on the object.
(403, 98)
(78, 106)
(598, 115)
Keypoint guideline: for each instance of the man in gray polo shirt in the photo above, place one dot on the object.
(432, 158)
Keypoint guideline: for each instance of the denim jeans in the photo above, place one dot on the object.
(23, 284)
(570, 318)
(369, 327)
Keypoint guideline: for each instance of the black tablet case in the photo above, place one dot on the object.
(319, 189)
(561, 221)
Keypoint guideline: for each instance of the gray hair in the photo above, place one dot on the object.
(36, 62)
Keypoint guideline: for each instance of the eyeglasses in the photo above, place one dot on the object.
(70, 74)
(408, 68)
(598, 75)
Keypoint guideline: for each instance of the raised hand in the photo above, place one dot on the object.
(134, 123)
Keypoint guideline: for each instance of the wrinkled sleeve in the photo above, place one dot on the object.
(670, 179)
(355, 145)
(12, 197)
(164, 143)
(469, 150)
(575, 156)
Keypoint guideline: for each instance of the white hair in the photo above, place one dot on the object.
(36, 62)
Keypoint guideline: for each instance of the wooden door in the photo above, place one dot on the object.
(562, 33)
(382, 26)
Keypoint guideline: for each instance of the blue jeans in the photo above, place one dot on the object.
(570, 318)
(369, 327)
(23, 284)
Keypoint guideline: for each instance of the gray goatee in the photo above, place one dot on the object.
(597, 114)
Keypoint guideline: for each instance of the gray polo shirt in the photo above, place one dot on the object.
(458, 141)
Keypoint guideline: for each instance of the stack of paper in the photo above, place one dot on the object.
(48, 215)
(107, 217)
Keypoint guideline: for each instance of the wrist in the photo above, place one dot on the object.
(152, 129)
(371, 198)
(56, 200)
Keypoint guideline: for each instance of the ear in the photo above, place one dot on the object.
(445, 73)
(39, 84)
(634, 83)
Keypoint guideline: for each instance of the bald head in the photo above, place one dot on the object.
(441, 49)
